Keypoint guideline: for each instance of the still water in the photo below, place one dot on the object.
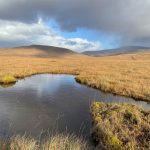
(50, 103)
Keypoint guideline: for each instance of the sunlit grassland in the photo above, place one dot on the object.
(7, 79)
(120, 126)
(127, 75)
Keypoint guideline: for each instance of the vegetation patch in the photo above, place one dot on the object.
(7, 79)
(57, 142)
(120, 126)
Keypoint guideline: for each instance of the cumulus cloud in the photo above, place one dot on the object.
(127, 19)
(14, 33)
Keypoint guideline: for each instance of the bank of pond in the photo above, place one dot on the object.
(48, 111)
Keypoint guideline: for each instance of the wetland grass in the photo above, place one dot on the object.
(120, 126)
(56, 142)
(7, 79)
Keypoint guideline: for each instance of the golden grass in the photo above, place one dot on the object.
(67, 142)
(7, 79)
(57, 142)
(127, 75)
(23, 143)
(120, 126)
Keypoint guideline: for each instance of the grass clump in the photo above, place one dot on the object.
(7, 79)
(120, 126)
(23, 143)
(56, 142)
(67, 142)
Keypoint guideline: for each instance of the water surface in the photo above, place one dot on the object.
(50, 102)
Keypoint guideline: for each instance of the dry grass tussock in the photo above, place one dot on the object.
(57, 142)
(7, 79)
(127, 75)
(120, 126)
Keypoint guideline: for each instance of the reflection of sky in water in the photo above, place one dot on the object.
(43, 102)
(50, 83)
(44, 84)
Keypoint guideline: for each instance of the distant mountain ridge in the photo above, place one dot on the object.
(117, 51)
(41, 51)
(47, 48)
(38, 51)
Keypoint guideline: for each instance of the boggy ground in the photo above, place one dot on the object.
(127, 75)
(120, 127)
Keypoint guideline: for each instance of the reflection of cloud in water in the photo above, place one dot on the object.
(7, 85)
(49, 83)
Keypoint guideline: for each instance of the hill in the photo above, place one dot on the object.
(36, 51)
(118, 51)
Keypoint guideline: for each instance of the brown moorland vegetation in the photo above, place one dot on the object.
(56, 142)
(120, 126)
(127, 75)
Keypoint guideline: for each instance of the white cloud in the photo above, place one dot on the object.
(39, 33)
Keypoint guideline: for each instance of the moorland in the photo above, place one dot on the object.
(127, 75)
(114, 126)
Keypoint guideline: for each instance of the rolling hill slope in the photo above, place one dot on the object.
(118, 51)
(37, 51)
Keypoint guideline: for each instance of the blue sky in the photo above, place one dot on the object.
(107, 41)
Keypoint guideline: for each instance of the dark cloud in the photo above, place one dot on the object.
(127, 19)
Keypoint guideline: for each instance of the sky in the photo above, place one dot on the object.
(79, 25)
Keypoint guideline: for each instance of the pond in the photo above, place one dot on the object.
(42, 103)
